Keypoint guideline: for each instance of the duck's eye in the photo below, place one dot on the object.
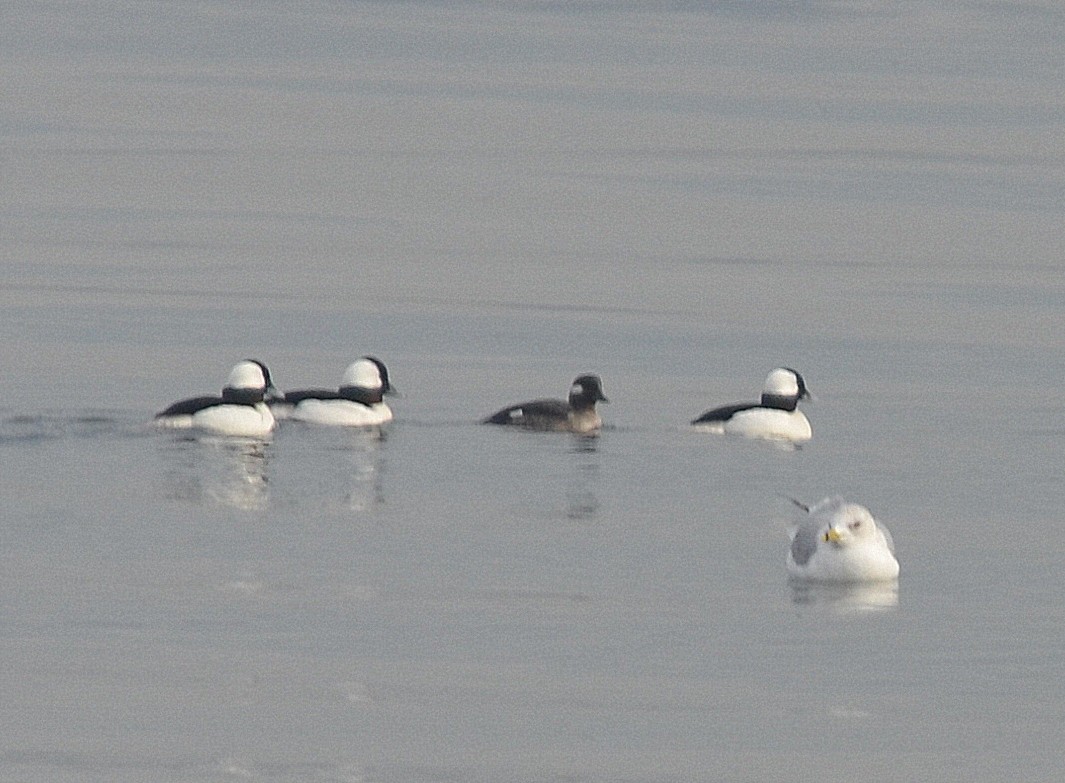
(856, 525)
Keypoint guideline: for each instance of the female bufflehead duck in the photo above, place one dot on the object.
(357, 403)
(836, 541)
(239, 411)
(577, 415)
(774, 418)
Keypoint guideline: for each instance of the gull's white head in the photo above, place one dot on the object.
(849, 524)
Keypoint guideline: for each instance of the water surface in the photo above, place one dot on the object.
(495, 199)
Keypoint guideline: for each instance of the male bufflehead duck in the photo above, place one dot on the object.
(577, 415)
(836, 541)
(240, 410)
(775, 417)
(359, 402)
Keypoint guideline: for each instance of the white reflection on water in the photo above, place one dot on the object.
(211, 469)
(846, 598)
(365, 489)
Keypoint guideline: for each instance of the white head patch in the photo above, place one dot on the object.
(364, 374)
(246, 375)
(781, 383)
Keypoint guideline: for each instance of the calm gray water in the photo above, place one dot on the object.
(494, 198)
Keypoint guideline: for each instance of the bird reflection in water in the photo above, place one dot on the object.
(846, 598)
(582, 502)
(364, 452)
(225, 470)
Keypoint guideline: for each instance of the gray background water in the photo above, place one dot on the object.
(494, 198)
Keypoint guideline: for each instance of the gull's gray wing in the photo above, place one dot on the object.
(804, 541)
